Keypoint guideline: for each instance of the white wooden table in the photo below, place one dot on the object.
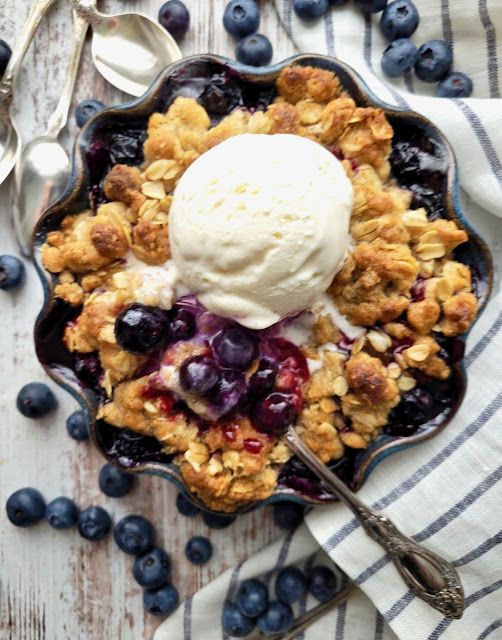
(54, 585)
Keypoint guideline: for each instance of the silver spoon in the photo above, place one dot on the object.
(43, 168)
(10, 139)
(428, 576)
(130, 49)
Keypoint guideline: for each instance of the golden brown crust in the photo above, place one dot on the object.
(459, 313)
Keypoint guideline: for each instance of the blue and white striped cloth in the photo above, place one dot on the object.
(446, 493)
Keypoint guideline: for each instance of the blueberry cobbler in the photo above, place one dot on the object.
(257, 268)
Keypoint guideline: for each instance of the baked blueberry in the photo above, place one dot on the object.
(231, 391)
(182, 325)
(94, 523)
(241, 17)
(399, 19)
(322, 583)
(12, 271)
(263, 378)
(370, 6)
(161, 601)
(217, 521)
(290, 585)
(86, 110)
(399, 57)
(61, 513)
(277, 618)
(35, 400)
(114, 482)
(199, 550)
(252, 597)
(254, 50)
(199, 375)
(185, 507)
(455, 85)
(274, 413)
(88, 369)
(288, 515)
(434, 60)
(235, 623)
(235, 348)
(152, 569)
(310, 9)
(5, 54)
(175, 18)
(77, 426)
(25, 507)
(134, 534)
(141, 328)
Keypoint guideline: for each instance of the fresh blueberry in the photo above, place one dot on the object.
(252, 597)
(35, 400)
(217, 521)
(241, 17)
(182, 325)
(274, 413)
(77, 426)
(162, 601)
(25, 507)
(399, 19)
(152, 569)
(290, 585)
(235, 348)
(310, 9)
(198, 550)
(134, 534)
(61, 513)
(141, 329)
(231, 391)
(175, 18)
(264, 377)
(114, 482)
(322, 583)
(400, 56)
(434, 60)
(370, 6)
(234, 623)
(277, 618)
(94, 523)
(86, 109)
(254, 50)
(12, 270)
(455, 85)
(199, 375)
(5, 54)
(288, 515)
(185, 507)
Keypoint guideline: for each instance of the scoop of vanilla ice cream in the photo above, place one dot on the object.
(259, 225)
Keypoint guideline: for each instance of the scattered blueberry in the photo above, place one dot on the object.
(199, 375)
(252, 597)
(86, 109)
(141, 329)
(134, 534)
(274, 413)
(400, 56)
(182, 325)
(94, 523)
(5, 54)
(25, 507)
(12, 270)
(322, 583)
(310, 9)
(278, 618)
(290, 585)
(241, 17)
(162, 601)
(434, 60)
(370, 6)
(77, 426)
(61, 513)
(254, 50)
(455, 85)
(185, 507)
(175, 18)
(399, 19)
(234, 623)
(198, 550)
(152, 569)
(114, 482)
(217, 521)
(235, 348)
(288, 515)
(263, 378)
(35, 400)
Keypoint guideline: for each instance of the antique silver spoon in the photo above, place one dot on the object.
(130, 49)
(428, 576)
(43, 168)
(10, 139)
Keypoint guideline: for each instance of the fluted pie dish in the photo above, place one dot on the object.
(372, 365)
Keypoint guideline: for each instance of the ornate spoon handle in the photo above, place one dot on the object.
(428, 576)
